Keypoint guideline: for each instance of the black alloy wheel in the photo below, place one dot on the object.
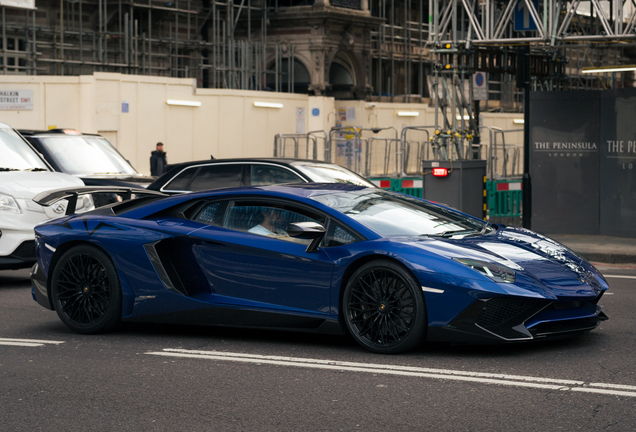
(384, 309)
(85, 290)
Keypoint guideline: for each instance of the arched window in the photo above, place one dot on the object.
(301, 78)
(341, 74)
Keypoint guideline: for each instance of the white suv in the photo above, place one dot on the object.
(23, 174)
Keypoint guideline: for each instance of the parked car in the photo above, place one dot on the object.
(87, 156)
(391, 270)
(222, 173)
(24, 174)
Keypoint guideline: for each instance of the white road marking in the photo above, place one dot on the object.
(478, 377)
(27, 342)
(22, 344)
(619, 276)
(614, 386)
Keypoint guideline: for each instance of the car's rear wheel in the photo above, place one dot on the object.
(383, 308)
(86, 291)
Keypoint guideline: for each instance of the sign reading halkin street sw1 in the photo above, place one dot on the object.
(16, 99)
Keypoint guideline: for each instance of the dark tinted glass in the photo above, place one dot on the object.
(266, 220)
(182, 181)
(338, 236)
(391, 214)
(217, 176)
(267, 175)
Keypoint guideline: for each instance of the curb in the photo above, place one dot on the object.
(607, 258)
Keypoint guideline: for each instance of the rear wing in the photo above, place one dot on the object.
(50, 197)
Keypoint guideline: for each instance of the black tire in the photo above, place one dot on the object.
(85, 290)
(383, 308)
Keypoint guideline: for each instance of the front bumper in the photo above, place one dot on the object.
(513, 319)
(17, 239)
(22, 257)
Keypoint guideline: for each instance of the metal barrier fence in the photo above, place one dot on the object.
(393, 161)
(303, 146)
(385, 152)
(507, 155)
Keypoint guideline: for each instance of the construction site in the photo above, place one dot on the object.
(460, 59)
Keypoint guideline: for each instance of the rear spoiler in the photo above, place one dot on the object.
(50, 197)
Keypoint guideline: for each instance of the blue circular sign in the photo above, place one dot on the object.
(479, 79)
(315, 112)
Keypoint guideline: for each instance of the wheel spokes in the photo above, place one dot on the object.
(83, 289)
(381, 307)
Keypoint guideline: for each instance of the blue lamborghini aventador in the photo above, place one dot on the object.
(391, 270)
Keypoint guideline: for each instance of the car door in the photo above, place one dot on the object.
(251, 263)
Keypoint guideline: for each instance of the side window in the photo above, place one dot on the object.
(338, 236)
(182, 181)
(205, 212)
(267, 220)
(262, 175)
(209, 214)
(217, 176)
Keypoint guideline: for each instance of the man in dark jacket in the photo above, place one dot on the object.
(158, 161)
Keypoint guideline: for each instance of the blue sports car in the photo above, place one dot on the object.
(391, 270)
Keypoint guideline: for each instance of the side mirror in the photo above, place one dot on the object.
(307, 230)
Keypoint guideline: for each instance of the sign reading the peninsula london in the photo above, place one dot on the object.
(16, 99)
(566, 149)
(625, 150)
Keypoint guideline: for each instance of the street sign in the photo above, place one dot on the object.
(523, 19)
(480, 86)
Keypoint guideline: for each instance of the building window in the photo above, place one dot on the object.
(15, 55)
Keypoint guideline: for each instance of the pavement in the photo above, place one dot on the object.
(602, 249)
(594, 248)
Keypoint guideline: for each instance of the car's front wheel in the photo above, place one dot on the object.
(86, 291)
(383, 308)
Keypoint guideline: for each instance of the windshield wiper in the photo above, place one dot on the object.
(484, 228)
(35, 169)
(8, 169)
(110, 172)
(452, 233)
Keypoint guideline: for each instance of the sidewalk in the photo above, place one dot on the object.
(603, 249)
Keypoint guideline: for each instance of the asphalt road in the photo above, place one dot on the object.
(167, 378)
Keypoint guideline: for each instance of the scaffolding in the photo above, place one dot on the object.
(399, 50)
(229, 44)
(222, 43)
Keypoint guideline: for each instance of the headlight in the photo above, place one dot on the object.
(8, 204)
(496, 272)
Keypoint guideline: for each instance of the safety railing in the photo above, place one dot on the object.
(417, 147)
(506, 153)
(347, 148)
(381, 152)
(303, 146)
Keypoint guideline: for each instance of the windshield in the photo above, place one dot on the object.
(83, 154)
(326, 173)
(16, 154)
(390, 214)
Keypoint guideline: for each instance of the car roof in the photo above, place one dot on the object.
(54, 132)
(281, 161)
(300, 191)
